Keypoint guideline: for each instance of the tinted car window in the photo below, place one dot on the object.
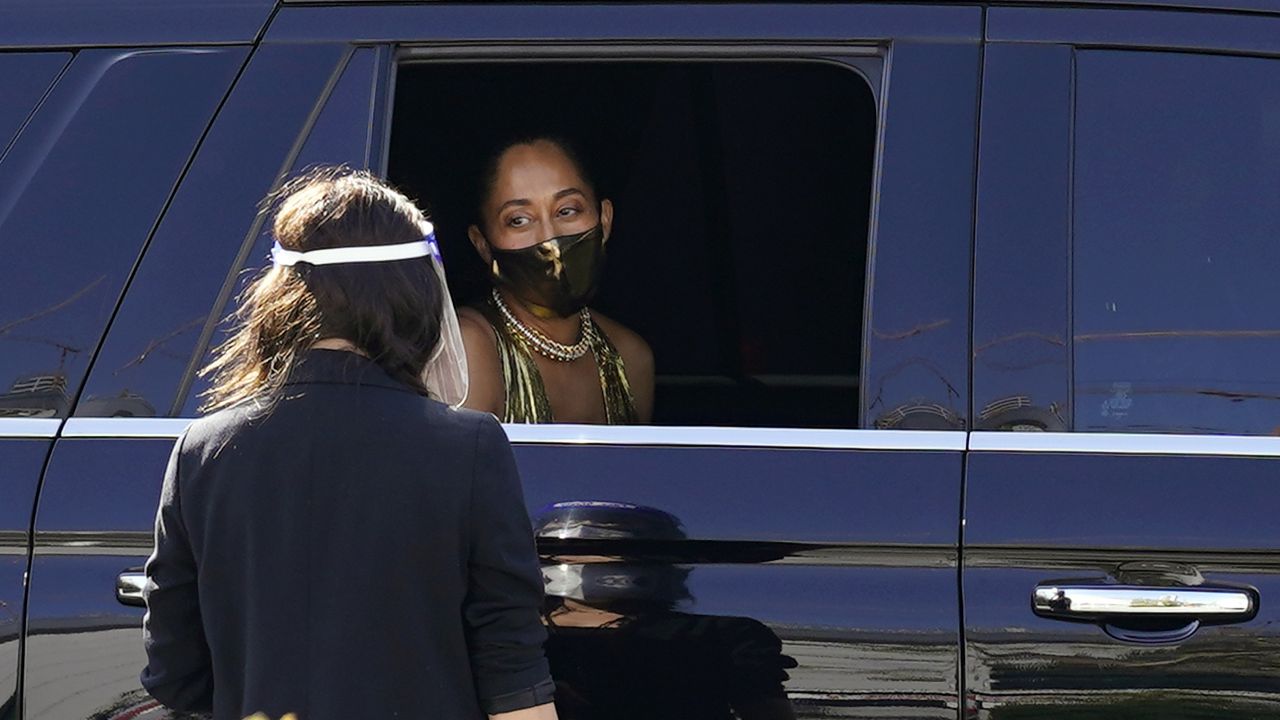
(81, 190)
(24, 79)
(157, 338)
(340, 136)
(1177, 205)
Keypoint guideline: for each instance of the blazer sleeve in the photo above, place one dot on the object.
(179, 671)
(504, 592)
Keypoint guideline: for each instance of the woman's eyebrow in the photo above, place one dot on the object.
(521, 202)
(525, 202)
(569, 191)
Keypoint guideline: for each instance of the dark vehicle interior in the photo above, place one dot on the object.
(741, 193)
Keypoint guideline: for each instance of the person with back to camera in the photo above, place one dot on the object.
(536, 352)
(336, 541)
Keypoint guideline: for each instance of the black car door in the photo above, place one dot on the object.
(766, 571)
(1125, 291)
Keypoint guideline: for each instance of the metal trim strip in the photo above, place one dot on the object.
(796, 438)
(737, 437)
(605, 435)
(29, 427)
(125, 427)
(1125, 444)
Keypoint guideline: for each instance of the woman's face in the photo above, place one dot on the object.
(537, 194)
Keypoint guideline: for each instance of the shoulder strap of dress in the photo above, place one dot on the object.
(619, 406)
(525, 395)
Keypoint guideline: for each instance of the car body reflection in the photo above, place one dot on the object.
(620, 646)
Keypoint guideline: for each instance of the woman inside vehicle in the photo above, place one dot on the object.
(535, 351)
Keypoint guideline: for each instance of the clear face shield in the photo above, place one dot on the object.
(445, 374)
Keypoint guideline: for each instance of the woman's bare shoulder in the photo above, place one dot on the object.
(477, 332)
(470, 318)
(483, 368)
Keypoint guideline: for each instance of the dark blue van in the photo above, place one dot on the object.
(965, 317)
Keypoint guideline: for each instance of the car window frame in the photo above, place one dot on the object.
(881, 29)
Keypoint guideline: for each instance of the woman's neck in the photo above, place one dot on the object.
(566, 330)
(338, 344)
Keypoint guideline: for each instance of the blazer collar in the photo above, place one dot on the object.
(341, 367)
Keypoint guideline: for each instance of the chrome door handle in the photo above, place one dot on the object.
(129, 585)
(1097, 602)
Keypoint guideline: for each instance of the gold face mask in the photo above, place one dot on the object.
(557, 277)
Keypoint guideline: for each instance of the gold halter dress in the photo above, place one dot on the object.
(526, 396)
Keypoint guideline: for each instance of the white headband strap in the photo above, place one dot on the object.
(362, 254)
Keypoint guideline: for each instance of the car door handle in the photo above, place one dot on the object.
(129, 585)
(1100, 602)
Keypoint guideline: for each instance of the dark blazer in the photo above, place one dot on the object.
(359, 551)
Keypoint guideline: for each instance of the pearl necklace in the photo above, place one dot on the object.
(544, 345)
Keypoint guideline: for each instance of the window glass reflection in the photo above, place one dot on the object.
(82, 188)
(24, 79)
(1177, 201)
(157, 335)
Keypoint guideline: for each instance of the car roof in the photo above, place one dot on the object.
(1257, 6)
(76, 23)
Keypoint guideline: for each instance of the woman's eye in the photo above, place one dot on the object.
(518, 221)
(567, 211)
